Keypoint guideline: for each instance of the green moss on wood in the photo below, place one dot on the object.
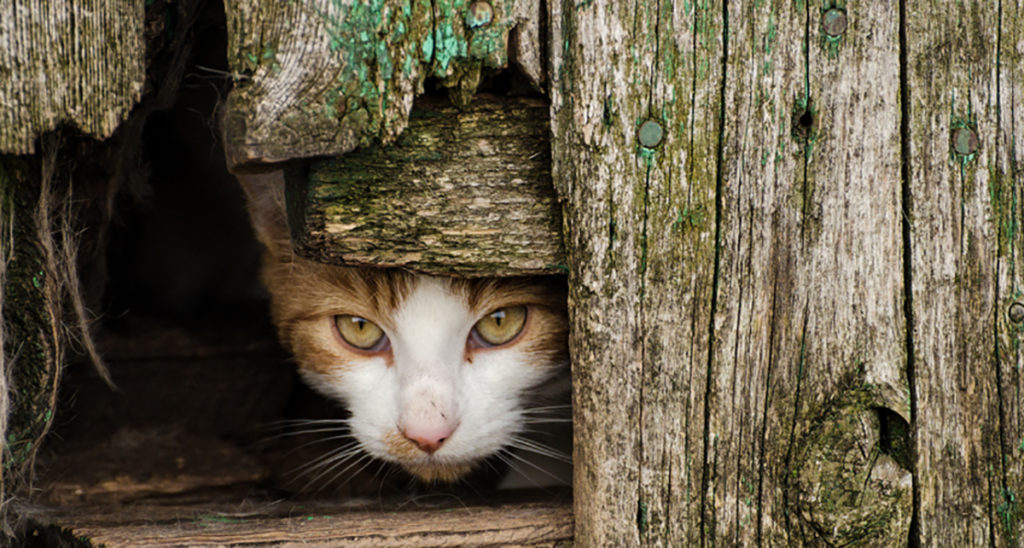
(848, 483)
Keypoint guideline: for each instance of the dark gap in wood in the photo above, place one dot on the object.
(894, 436)
(716, 277)
(908, 268)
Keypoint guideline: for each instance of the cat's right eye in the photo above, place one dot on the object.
(361, 333)
(500, 326)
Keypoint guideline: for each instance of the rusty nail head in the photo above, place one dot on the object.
(1016, 312)
(965, 141)
(650, 134)
(480, 14)
(833, 22)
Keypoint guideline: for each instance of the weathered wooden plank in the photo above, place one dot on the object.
(312, 523)
(74, 62)
(319, 77)
(1007, 167)
(809, 331)
(759, 319)
(462, 191)
(634, 159)
(954, 147)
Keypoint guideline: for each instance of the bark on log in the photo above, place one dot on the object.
(75, 62)
(319, 77)
(462, 191)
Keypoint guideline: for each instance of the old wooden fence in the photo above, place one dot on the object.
(791, 229)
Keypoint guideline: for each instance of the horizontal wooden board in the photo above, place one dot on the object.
(316, 524)
(463, 191)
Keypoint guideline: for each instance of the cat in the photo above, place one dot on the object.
(438, 374)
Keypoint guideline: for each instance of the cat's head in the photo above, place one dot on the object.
(438, 373)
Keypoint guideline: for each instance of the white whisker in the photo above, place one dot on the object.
(540, 449)
(534, 466)
(362, 457)
(342, 453)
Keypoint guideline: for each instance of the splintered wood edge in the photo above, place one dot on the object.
(531, 524)
(464, 192)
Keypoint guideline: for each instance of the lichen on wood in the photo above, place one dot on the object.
(320, 77)
(462, 191)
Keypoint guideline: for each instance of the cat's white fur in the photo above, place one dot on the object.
(429, 380)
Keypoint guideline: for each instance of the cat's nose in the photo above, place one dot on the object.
(429, 438)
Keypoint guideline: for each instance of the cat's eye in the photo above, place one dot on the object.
(360, 333)
(500, 326)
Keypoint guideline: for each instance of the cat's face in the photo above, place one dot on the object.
(438, 373)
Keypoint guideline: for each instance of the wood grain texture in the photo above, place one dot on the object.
(640, 237)
(462, 191)
(960, 241)
(809, 337)
(318, 524)
(319, 77)
(76, 62)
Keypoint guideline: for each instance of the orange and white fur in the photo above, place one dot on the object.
(437, 373)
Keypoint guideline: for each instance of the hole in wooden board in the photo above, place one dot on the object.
(192, 434)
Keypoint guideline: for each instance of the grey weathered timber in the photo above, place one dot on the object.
(636, 104)
(808, 332)
(76, 62)
(964, 145)
(319, 77)
(462, 191)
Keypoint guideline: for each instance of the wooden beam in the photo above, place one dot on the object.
(462, 191)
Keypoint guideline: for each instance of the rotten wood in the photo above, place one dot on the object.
(80, 63)
(462, 191)
(320, 77)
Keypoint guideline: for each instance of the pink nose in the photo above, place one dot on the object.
(429, 439)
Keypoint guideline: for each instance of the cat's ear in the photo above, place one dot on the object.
(265, 194)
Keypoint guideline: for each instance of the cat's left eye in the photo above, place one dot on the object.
(361, 333)
(500, 326)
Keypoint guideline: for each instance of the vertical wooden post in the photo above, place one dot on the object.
(635, 153)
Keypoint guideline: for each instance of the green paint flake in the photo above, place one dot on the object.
(646, 155)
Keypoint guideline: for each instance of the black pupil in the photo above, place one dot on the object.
(498, 317)
(360, 323)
